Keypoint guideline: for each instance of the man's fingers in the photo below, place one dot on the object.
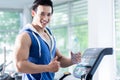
(55, 58)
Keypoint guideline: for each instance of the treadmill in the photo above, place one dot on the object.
(90, 62)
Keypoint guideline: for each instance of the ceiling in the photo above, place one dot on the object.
(20, 4)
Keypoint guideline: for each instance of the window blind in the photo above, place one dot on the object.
(79, 12)
(60, 15)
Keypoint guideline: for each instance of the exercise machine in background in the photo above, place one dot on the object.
(5, 75)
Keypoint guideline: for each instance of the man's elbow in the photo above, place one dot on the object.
(18, 67)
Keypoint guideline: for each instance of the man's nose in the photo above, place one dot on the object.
(45, 18)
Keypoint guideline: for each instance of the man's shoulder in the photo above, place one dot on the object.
(23, 35)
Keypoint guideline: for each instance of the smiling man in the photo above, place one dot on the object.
(36, 55)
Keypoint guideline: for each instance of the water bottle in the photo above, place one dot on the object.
(75, 54)
(75, 45)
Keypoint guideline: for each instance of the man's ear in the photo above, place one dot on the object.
(32, 13)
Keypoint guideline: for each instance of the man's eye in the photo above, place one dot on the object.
(49, 14)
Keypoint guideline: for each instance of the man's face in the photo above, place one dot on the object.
(42, 15)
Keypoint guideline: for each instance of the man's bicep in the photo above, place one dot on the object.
(22, 47)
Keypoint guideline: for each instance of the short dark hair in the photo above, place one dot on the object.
(36, 3)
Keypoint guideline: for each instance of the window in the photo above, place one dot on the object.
(69, 25)
(10, 22)
(117, 38)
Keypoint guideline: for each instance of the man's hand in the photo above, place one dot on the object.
(54, 65)
(75, 57)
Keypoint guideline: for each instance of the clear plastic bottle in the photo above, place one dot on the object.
(75, 45)
(75, 51)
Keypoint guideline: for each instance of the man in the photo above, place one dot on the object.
(36, 54)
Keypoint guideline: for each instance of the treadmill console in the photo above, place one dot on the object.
(90, 60)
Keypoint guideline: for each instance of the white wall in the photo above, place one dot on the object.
(101, 34)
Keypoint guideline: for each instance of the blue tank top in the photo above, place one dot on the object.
(40, 53)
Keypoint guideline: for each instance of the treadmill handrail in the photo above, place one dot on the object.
(105, 51)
